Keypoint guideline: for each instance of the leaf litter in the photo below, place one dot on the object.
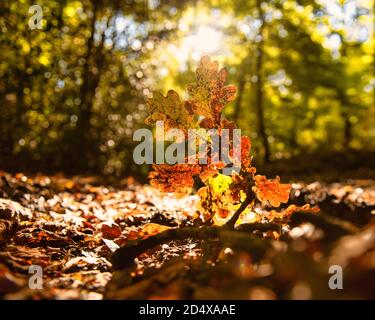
(71, 227)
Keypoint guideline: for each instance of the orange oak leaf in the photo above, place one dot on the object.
(245, 154)
(305, 209)
(176, 178)
(271, 190)
(208, 93)
(207, 172)
(289, 211)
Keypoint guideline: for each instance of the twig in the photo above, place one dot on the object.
(232, 221)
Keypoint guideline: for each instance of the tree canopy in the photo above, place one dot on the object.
(73, 92)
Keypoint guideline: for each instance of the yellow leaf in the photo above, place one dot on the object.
(169, 109)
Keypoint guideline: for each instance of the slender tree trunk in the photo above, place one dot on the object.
(82, 139)
(60, 20)
(237, 107)
(259, 85)
(23, 81)
(96, 57)
(347, 134)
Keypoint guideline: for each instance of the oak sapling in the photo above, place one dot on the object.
(224, 198)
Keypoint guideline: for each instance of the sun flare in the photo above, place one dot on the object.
(205, 40)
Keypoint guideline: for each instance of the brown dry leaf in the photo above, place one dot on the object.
(8, 282)
(19, 256)
(110, 230)
(41, 238)
(7, 229)
(88, 261)
(13, 210)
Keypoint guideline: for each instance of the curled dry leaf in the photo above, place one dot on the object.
(7, 228)
(19, 256)
(41, 238)
(110, 230)
(87, 262)
(13, 210)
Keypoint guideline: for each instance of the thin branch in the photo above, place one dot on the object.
(232, 221)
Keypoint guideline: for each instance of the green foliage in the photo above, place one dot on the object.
(72, 94)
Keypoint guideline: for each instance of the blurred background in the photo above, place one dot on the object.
(72, 93)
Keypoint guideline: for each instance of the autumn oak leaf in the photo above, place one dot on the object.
(271, 190)
(170, 109)
(291, 210)
(176, 178)
(208, 93)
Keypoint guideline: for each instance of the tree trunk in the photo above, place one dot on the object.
(82, 139)
(347, 134)
(237, 107)
(259, 86)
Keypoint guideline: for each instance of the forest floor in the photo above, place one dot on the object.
(71, 227)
